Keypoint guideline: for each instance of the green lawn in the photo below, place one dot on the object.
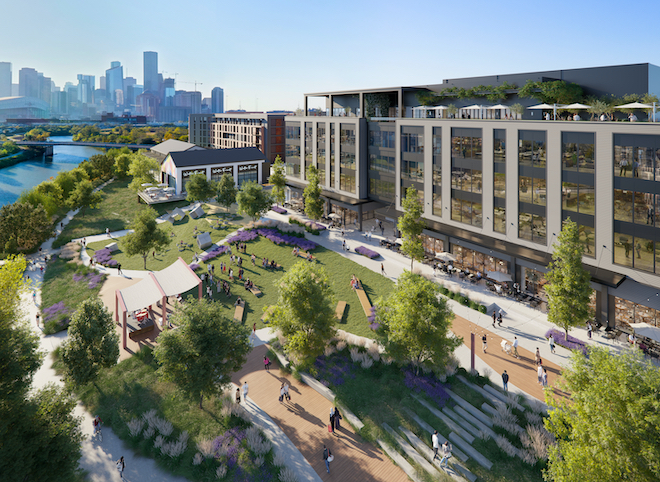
(59, 286)
(133, 387)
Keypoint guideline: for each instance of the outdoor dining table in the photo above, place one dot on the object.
(141, 315)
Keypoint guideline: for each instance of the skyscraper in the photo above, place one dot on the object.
(85, 89)
(217, 101)
(114, 81)
(151, 72)
(5, 79)
(28, 82)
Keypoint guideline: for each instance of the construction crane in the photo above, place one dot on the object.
(194, 82)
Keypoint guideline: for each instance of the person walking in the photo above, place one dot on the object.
(281, 393)
(245, 391)
(120, 467)
(332, 419)
(267, 363)
(382, 269)
(494, 318)
(499, 318)
(338, 416)
(539, 372)
(505, 381)
(118, 268)
(538, 356)
(484, 343)
(327, 458)
(37, 319)
(589, 329)
(515, 347)
(544, 378)
(287, 397)
(551, 342)
(436, 444)
(446, 453)
(238, 395)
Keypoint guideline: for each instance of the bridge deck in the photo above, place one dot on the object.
(102, 145)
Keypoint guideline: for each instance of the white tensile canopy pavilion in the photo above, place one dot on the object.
(173, 280)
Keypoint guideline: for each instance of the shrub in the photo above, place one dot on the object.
(367, 252)
(571, 343)
(278, 210)
(482, 309)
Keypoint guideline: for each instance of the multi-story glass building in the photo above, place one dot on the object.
(495, 190)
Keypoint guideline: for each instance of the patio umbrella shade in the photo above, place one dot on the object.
(577, 105)
(498, 106)
(146, 184)
(446, 256)
(542, 106)
(634, 105)
(646, 330)
(150, 189)
(498, 276)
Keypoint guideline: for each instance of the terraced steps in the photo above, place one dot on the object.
(474, 421)
(470, 408)
(412, 453)
(447, 421)
(472, 452)
(400, 460)
(461, 421)
(494, 398)
(458, 453)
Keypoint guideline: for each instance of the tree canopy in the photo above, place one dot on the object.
(83, 197)
(552, 92)
(92, 344)
(305, 310)
(312, 194)
(253, 200)
(146, 235)
(23, 226)
(200, 188)
(142, 168)
(414, 323)
(569, 284)
(411, 226)
(610, 428)
(203, 353)
(226, 191)
(278, 180)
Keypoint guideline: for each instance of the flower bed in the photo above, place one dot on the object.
(93, 279)
(194, 266)
(428, 384)
(366, 252)
(572, 343)
(278, 238)
(56, 310)
(278, 210)
(243, 236)
(310, 226)
(334, 369)
(214, 253)
(104, 257)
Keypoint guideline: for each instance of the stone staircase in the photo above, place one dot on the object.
(410, 451)
(457, 453)
(400, 460)
(491, 394)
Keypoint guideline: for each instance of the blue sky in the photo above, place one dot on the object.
(266, 54)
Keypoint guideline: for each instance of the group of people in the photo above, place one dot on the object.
(445, 450)
(355, 283)
(540, 369)
(248, 285)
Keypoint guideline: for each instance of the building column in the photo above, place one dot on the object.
(362, 105)
(359, 213)
(400, 102)
(124, 331)
(332, 105)
(306, 106)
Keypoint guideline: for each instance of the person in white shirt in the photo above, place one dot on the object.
(446, 453)
(515, 347)
(245, 391)
(436, 444)
(539, 372)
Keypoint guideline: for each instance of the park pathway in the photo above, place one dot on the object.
(305, 419)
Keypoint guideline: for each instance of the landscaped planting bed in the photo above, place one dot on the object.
(366, 252)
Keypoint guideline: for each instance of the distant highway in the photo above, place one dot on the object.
(102, 145)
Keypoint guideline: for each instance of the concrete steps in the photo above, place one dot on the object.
(474, 421)
(458, 453)
(470, 408)
(400, 460)
(461, 421)
(491, 395)
(501, 396)
(468, 449)
(412, 453)
(447, 421)
(427, 452)
(492, 411)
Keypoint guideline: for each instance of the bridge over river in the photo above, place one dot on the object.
(101, 145)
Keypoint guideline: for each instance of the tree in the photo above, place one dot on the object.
(146, 235)
(552, 92)
(415, 321)
(312, 194)
(68, 180)
(27, 225)
(92, 344)
(411, 226)
(226, 191)
(517, 109)
(568, 287)
(304, 312)
(142, 169)
(278, 180)
(83, 196)
(200, 188)
(253, 200)
(608, 430)
(122, 165)
(206, 349)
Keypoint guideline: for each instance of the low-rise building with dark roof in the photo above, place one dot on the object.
(244, 164)
(160, 151)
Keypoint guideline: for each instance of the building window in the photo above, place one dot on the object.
(499, 187)
(320, 151)
(381, 189)
(466, 145)
(412, 141)
(467, 212)
(309, 147)
(347, 158)
(532, 227)
(499, 145)
(499, 220)
(386, 139)
(531, 148)
(437, 171)
(333, 166)
(578, 153)
(292, 155)
(248, 172)
(381, 163)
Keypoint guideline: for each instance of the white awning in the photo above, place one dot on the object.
(176, 278)
(141, 295)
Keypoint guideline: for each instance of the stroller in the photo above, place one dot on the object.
(506, 347)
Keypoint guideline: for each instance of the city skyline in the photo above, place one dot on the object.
(266, 56)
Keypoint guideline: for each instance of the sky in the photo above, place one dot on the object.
(267, 54)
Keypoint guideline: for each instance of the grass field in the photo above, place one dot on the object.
(133, 387)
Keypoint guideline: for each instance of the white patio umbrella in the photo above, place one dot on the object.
(475, 107)
(634, 105)
(646, 330)
(146, 184)
(151, 189)
(501, 107)
(542, 106)
(498, 276)
(169, 189)
(163, 184)
(447, 256)
(334, 216)
(577, 105)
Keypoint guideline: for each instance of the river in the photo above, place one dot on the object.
(27, 174)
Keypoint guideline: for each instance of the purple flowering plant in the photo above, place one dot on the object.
(571, 343)
(366, 252)
(426, 383)
(279, 210)
(334, 370)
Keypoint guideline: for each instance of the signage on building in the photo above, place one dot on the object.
(221, 170)
(248, 167)
(190, 172)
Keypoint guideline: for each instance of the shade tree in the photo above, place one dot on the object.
(411, 226)
(226, 191)
(146, 235)
(253, 200)
(278, 180)
(312, 194)
(200, 188)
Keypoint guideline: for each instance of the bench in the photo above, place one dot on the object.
(255, 291)
(341, 308)
(240, 310)
(149, 326)
(302, 254)
(364, 300)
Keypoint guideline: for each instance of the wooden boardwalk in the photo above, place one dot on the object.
(305, 420)
(522, 372)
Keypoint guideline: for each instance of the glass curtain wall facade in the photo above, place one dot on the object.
(292, 161)
(412, 160)
(333, 166)
(636, 201)
(437, 171)
(320, 151)
(309, 146)
(466, 176)
(381, 149)
(499, 180)
(347, 158)
(532, 186)
(578, 192)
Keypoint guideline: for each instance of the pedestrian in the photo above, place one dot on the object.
(589, 329)
(343, 245)
(118, 268)
(484, 343)
(253, 258)
(245, 391)
(153, 253)
(37, 319)
(382, 269)
(499, 318)
(446, 453)
(107, 231)
(327, 458)
(61, 225)
(436, 444)
(238, 395)
(505, 381)
(209, 292)
(544, 379)
(267, 363)
(332, 420)
(231, 274)
(34, 297)
(281, 399)
(515, 347)
(538, 356)
(338, 417)
(286, 392)
(121, 467)
(539, 372)
(494, 318)
(551, 342)
(254, 330)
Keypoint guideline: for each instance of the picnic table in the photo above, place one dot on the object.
(341, 308)
(364, 300)
(240, 311)
(255, 291)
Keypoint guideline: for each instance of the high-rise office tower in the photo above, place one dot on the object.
(28, 82)
(5, 79)
(168, 92)
(217, 100)
(151, 72)
(86, 89)
(114, 81)
(102, 82)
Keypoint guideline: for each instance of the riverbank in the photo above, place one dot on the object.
(24, 155)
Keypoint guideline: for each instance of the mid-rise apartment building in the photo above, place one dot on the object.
(495, 190)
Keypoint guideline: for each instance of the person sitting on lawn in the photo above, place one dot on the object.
(246, 285)
(238, 302)
(273, 264)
